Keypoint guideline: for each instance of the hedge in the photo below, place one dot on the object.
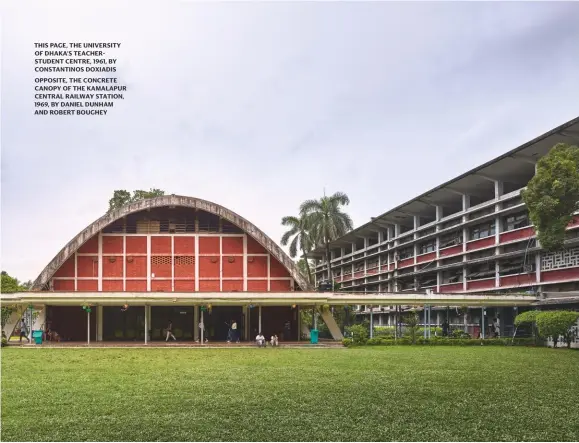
(442, 341)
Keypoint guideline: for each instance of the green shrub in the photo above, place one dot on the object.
(434, 332)
(384, 331)
(347, 342)
(359, 334)
(526, 317)
(557, 323)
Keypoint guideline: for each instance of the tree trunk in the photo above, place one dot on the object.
(330, 274)
(310, 280)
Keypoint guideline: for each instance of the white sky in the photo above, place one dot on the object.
(260, 106)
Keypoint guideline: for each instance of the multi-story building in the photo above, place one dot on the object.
(471, 234)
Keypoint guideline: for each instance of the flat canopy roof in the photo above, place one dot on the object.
(264, 298)
(513, 165)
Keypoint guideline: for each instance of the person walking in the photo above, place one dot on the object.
(170, 331)
(23, 330)
(234, 331)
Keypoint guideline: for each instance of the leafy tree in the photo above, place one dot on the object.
(300, 239)
(412, 320)
(305, 266)
(555, 323)
(122, 197)
(9, 285)
(325, 221)
(552, 195)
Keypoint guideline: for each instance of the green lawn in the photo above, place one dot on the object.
(364, 394)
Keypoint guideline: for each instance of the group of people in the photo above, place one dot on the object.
(262, 343)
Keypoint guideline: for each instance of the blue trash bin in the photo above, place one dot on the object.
(314, 336)
(37, 336)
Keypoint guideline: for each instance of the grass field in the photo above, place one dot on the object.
(364, 394)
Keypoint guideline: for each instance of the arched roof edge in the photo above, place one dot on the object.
(158, 202)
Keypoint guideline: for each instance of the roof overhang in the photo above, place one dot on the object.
(264, 298)
(514, 164)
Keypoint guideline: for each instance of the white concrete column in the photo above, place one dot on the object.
(100, 262)
(245, 262)
(172, 263)
(124, 262)
(538, 266)
(88, 328)
(499, 186)
(220, 260)
(497, 274)
(464, 280)
(149, 262)
(300, 320)
(259, 321)
(439, 215)
(146, 325)
(438, 280)
(197, 263)
(99, 319)
(195, 322)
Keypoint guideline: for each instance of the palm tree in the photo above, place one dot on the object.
(300, 239)
(325, 221)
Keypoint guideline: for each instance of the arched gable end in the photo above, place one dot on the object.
(159, 202)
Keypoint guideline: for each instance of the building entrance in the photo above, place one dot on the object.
(123, 323)
(218, 322)
(181, 317)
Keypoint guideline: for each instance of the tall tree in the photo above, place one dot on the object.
(300, 239)
(552, 195)
(326, 221)
(10, 284)
(122, 197)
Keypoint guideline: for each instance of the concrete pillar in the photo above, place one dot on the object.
(439, 215)
(499, 186)
(196, 322)
(464, 280)
(99, 319)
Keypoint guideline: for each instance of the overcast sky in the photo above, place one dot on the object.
(259, 106)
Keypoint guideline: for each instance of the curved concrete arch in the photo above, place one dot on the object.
(158, 202)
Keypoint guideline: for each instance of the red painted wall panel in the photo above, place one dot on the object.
(136, 285)
(560, 274)
(232, 285)
(232, 268)
(208, 267)
(279, 285)
(162, 269)
(372, 271)
(136, 245)
(208, 245)
(450, 251)
(113, 266)
(257, 285)
(406, 262)
(257, 266)
(112, 244)
(232, 245)
(137, 267)
(63, 285)
(518, 280)
(209, 285)
(112, 285)
(184, 269)
(482, 243)
(426, 257)
(161, 286)
(276, 269)
(481, 284)
(160, 245)
(358, 274)
(253, 247)
(517, 235)
(87, 285)
(453, 287)
(90, 247)
(385, 267)
(67, 269)
(87, 266)
(185, 245)
(184, 285)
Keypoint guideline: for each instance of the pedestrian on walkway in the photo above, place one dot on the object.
(23, 330)
(170, 331)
